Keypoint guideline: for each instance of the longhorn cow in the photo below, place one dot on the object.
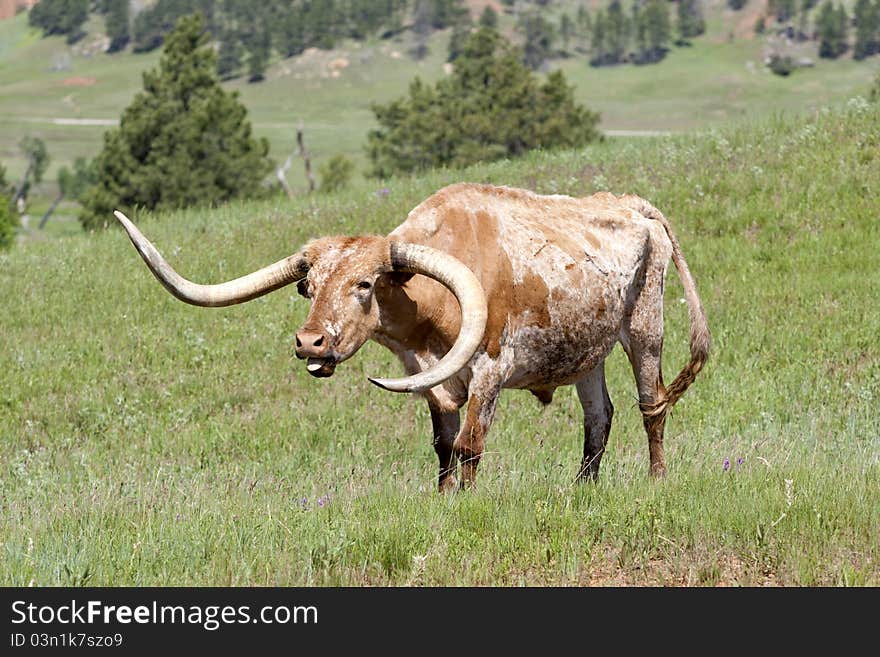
(484, 288)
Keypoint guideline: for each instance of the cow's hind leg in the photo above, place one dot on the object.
(643, 342)
(598, 411)
(445, 426)
(652, 398)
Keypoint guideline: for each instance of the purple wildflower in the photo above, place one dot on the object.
(304, 502)
(324, 499)
(383, 193)
(740, 461)
(726, 464)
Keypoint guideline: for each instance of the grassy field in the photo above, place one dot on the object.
(709, 84)
(147, 442)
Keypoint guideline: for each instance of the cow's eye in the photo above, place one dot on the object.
(303, 288)
(364, 285)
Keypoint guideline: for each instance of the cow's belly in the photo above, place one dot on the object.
(583, 329)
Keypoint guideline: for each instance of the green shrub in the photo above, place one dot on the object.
(781, 65)
(8, 223)
(336, 173)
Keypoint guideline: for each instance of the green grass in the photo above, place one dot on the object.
(147, 442)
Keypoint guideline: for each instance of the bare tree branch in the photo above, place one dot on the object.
(301, 150)
(306, 157)
(281, 172)
(49, 212)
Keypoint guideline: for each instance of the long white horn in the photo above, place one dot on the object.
(289, 270)
(452, 273)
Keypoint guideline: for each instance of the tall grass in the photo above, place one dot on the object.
(143, 441)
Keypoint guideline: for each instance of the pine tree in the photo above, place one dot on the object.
(843, 24)
(567, 30)
(539, 37)
(599, 41)
(584, 28)
(421, 28)
(460, 34)
(491, 107)
(259, 50)
(866, 17)
(291, 34)
(229, 57)
(182, 141)
(783, 9)
(618, 29)
(489, 17)
(832, 26)
(60, 17)
(690, 19)
(116, 24)
(760, 25)
(653, 30)
(447, 13)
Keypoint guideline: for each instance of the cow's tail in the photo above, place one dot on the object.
(699, 327)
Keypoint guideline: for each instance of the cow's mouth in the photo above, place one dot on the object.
(321, 367)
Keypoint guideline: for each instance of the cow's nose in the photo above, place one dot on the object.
(311, 344)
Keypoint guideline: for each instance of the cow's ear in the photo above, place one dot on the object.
(398, 278)
(303, 288)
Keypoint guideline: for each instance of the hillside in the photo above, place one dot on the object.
(147, 442)
(717, 80)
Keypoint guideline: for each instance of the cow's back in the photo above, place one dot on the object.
(555, 270)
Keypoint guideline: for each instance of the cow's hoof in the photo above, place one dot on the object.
(448, 485)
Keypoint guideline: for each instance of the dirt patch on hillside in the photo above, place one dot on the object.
(743, 21)
(8, 8)
(79, 81)
(477, 7)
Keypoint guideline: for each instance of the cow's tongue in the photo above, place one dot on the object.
(320, 367)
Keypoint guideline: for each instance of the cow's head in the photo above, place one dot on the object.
(341, 283)
(341, 277)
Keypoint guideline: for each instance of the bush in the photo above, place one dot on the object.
(781, 65)
(336, 174)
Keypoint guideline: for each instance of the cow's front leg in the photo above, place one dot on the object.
(469, 443)
(445, 426)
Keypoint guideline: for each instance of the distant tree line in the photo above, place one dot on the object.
(640, 34)
(248, 33)
(834, 29)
